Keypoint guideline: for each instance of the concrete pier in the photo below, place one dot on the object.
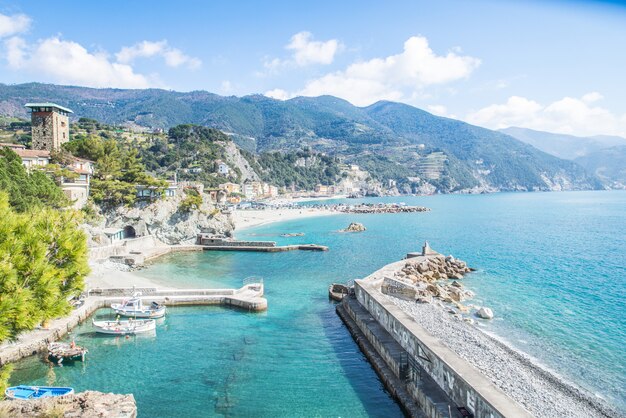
(440, 382)
(249, 297)
(268, 249)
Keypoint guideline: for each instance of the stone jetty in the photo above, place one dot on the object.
(430, 357)
(372, 208)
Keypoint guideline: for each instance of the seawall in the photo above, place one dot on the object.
(435, 377)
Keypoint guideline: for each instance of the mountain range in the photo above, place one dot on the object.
(391, 140)
(601, 155)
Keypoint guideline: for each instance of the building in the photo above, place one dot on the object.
(151, 192)
(77, 189)
(32, 158)
(321, 189)
(222, 167)
(50, 125)
(273, 191)
(248, 191)
(230, 187)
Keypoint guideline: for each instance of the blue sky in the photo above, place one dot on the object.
(551, 65)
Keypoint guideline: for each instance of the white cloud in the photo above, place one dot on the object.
(12, 25)
(226, 87)
(305, 51)
(173, 57)
(567, 115)
(396, 77)
(278, 94)
(68, 62)
(440, 110)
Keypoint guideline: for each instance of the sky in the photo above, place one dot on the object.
(549, 65)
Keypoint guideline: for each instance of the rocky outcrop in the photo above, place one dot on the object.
(355, 227)
(235, 159)
(88, 404)
(164, 219)
(423, 279)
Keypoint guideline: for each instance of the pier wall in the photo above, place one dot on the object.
(427, 358)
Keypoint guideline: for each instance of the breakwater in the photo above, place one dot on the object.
(371, 208)
(438, 380)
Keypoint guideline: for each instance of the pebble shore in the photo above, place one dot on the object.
(541, 392)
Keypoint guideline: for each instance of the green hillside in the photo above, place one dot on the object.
(392, 139)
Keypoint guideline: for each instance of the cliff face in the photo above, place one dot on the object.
(164, 219)
(88, 404)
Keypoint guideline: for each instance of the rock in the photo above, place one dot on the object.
(88, 404)
(355, 227)
(485, 313)
(455, 293)
(457, 276)
(456, 284)
(469, 320)
(424, 299)
(462, 308)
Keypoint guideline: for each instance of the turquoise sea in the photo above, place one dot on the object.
(551, 265)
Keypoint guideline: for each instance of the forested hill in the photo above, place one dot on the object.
(392, 140)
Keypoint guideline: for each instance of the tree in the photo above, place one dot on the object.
(43, 261)
(118, 170)
(27, 190)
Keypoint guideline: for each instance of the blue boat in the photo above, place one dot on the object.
(36, 392)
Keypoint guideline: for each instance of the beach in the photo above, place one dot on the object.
(251, 217)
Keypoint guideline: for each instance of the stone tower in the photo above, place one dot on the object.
(50, 125)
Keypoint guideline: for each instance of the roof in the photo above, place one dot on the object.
(31, 105)
(11, 145)
(32, 153)
(112, 231)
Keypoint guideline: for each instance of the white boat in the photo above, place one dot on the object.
(129, 327)
(134, 307)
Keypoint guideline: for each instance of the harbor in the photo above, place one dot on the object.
(248, 298)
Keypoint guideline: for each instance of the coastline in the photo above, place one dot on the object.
(244, 219)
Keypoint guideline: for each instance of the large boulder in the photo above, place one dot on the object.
(355, 227)
(484, 313)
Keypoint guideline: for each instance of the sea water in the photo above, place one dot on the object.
(550, 265)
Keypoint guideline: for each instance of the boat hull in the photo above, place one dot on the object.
(124, 327)
(142, 313)
(36, 392)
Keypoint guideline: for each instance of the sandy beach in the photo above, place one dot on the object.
(112, 275)
(249, 218)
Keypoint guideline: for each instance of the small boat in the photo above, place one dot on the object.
(130, 327)
(134, 307)
(337, 291)
(59, 352)
(36, 392)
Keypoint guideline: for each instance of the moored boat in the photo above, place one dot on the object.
(130, 327)
(135, 308)
(337, 291)
(36, 392)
